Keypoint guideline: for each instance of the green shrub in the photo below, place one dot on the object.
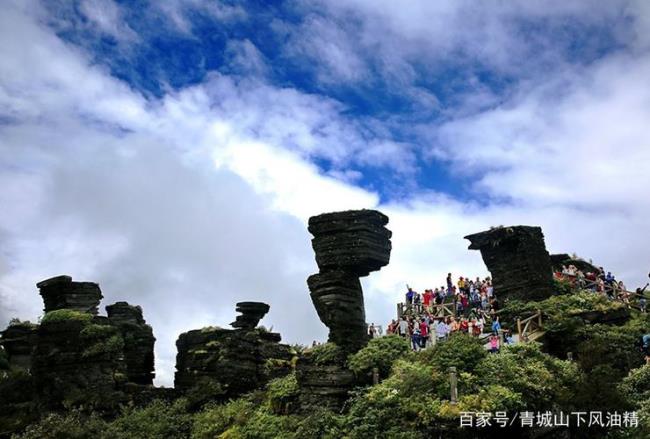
(541, 379)
(460, 350)
(327, 353)
(282, 394)
(94, 331)
(72, 425)
(160, 419)
(204, 391)
(380, 353)
(265, 425)
(111, 346)
(562, 287)
(636, 386)
(322, 424)
(60, 315)
(214, 419)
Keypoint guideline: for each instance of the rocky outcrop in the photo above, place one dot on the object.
(323, 385)
(78, 360)
(518, 261)
(230, 362)
(62, 293)
(138, 341)
(347, 245)
(75, 357)
(251, 314)
(18, 341)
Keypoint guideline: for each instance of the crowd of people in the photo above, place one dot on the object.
(425, 318)
(604, 283)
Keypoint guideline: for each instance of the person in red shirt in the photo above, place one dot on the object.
(424, 333)
(464, 326)
(426, 299)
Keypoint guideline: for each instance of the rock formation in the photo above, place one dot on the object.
(19, 340)
(231, 362)
(347, 245)
(78, 360)
(75, 357)
(61, 292)
(138, 341)
(518, 261)
(251, 314)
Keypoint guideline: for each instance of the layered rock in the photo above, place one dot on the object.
(18, 341)
(138, 341)
(230, 362)
(62, 292)
(354, 241)
(78, 360)
(518, 261)
(347, 245)
(251, 314)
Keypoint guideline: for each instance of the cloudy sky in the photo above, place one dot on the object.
(174, 151)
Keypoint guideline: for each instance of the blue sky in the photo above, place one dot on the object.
(174, 151)
(154, 52)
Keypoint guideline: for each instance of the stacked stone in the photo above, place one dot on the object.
(518, 261)
(251, 314)
(62, 293)
(138, 341)
(19, 340)
(354, 241)
(347, 245)
(232, 361)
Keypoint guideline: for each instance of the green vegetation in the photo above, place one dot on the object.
(60, 315)
(282, 394)
(327, 353)
(413, 398)
(380, 353)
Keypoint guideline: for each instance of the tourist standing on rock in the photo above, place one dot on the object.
(409, 295)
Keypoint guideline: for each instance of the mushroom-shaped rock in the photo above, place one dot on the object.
(251, 314)
(518, 261)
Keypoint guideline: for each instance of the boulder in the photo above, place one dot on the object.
(518, 261)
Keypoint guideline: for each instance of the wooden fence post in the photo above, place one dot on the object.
(539, 317)
(453, 381)
(375, 375)
(519, 327)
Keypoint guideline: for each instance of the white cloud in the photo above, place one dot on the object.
(107, 16)
(191, 203)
